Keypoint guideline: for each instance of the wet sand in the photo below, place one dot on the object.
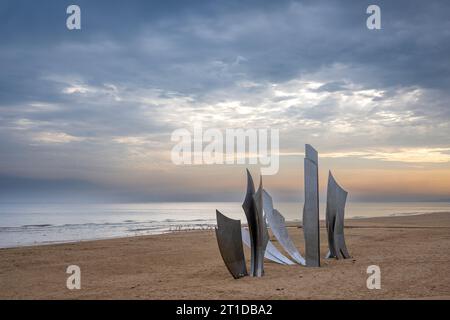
(413, 253)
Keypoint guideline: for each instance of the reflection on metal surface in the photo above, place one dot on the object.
(262, 235)
(257, 227)
(277, 224)
(249, 210)
(311, 208)
(336, 198)
(272, 253)
(229, 239)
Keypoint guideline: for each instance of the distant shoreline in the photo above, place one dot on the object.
(192, 227)
(413, 253)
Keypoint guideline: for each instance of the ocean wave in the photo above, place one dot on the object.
(36, 225)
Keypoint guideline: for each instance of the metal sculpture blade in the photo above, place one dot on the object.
(249, 210)
(336, 198)
(311, 208)
(277, 224)
(272, 253)
(259, 236)
(229, 239)
(262, 235)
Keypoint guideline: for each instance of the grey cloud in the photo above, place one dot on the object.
(333, 86)
(172, 61)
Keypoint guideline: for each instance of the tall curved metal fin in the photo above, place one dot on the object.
(229, 239)
(272, 253)
(277, 224)
(336, 198)
(262, 235)
(250, 213)
(311, 208)
(293, 252)
(272, 250)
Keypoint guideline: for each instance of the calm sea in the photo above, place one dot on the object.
(32, 224)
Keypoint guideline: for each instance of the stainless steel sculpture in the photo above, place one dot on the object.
(258, 207)
(277, 224)
(253, 208)
(272, 253)
(250, 214)
(311, 208)
(229, 239)
(336, 198)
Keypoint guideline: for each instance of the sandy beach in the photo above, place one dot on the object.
(413, 253)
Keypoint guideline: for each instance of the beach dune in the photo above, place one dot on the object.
(413, 253)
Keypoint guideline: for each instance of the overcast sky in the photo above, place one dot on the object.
(88, 114)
